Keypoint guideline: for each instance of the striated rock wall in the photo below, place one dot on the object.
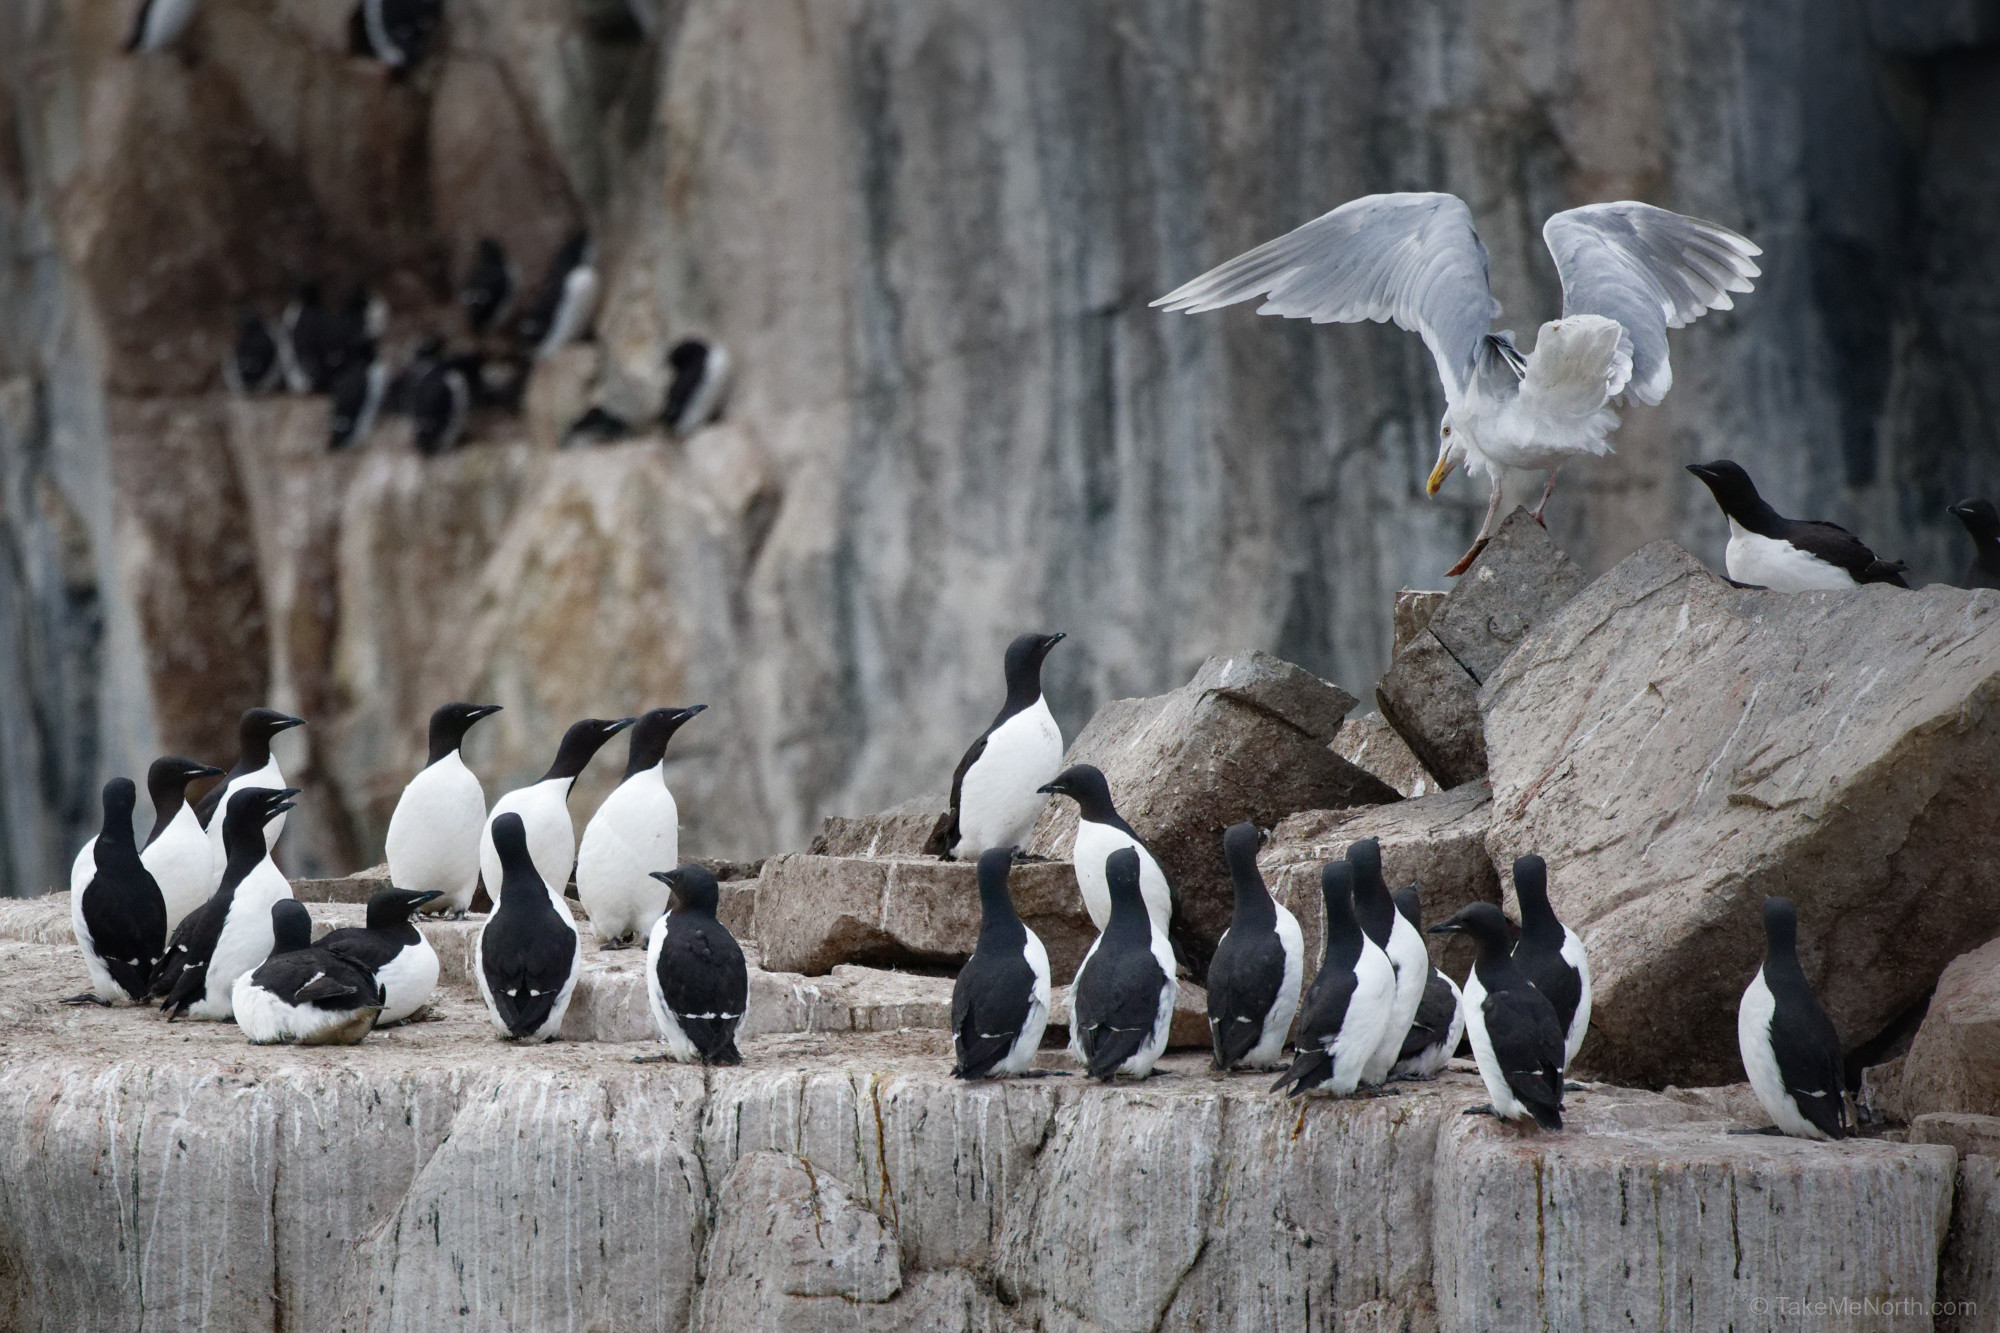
(927, 234)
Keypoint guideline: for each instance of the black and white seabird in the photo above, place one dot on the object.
(528, 954)
(634, 833)
(1347, 1009)
(255, 766)
(1121, 1007)
(696, 979)
(996, 794)
(1376, 911)
(1100, 831)
(177, 851)
(433, 843)
(490, 287)
(1982, 524)
(1551, 955)
(1768, 550)
(1440, 1021)
(231, 932)
(1790, 1049)
(115, 908)
(398, 32)
(1000, 1002)
(317, 344)
(159, 24)
(1517, 1041)
(302, 993)
(544, 807)
(393, 950)
(561, 310)
(1258, 968)
(700, 383)
(437, 398)
(253, 365)
(355, 402)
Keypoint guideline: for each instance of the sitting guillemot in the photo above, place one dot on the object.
(1768, 550)
(304, 994)
(393, 950)
(116, 910)
(528, 955)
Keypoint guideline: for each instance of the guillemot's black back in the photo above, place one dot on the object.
(122, 906)
(700, 970)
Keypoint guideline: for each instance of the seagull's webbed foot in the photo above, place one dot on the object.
(1465, 561)
(88, 997)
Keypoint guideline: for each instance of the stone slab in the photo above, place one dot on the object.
(1954, 1062)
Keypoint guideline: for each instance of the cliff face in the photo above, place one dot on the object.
(927, 235)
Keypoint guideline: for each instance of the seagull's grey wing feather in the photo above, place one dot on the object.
(1650, 270)
(1412, 258)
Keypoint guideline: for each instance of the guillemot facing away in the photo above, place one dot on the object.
(1258, 968)
(433, 842)
(560, 313)
(996, 791)
(397, 32)
(304, 994)
(253, 365)
(543, 807)
(1516, 1040)
(696, 980)
(1122, 1004)
(527, 956)
(1440, 1021)
(115, 908)
(1768, 550)
(1551, 955)
(700, 382)
(158, 25)
(1000, 1001)
(1351, 1000)
(632, 836)
(1376, 911)
(393, 950)
(231, 932)
(489, 288)
(1790, 1049)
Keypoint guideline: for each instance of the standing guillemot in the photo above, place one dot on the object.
(255, 766)
(1982, 524)
(1516, 1040)
(1000, 1001)
(158, 25)
(489, 288)
(634, 833)
(1790, 1049)
(115, 908)
(696, 980)
(439, 397)
(543, 807)
(1349, 1005)
(303, 994)
(397, 32)
(433, 843)
(231, 932)
(1440, 1021)
(561, 310)
(253, 365)
(1259, 965)
(318, 345)
(1376, 911)
(1100, 831)
(355, 402)
(996, 792)
(177, 851)
(393, 950)
(1122, 1004)
(1551, 955)
(528, 954)
(700, 382)
(1768, 550)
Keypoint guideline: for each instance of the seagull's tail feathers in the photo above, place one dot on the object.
(1579, 364)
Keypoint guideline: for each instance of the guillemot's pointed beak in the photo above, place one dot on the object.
(1443, 469)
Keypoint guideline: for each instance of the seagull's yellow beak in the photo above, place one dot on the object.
(1439, 473)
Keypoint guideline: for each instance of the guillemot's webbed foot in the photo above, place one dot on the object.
(1771, 1131)
(88, 997)
(1484, 1108)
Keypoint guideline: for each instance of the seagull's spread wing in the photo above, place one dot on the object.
(1650, 270)
(1413, 258)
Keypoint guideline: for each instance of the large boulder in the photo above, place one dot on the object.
(1678, 748)
(1250, 737)
(1954, 1062)
(1447, 649)
(1370, 743)
(815, 912)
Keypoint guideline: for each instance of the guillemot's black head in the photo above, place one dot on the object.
(1980, 518)
(1343, 929)
(1483, 922)
(120, 798)
(1084, 784)
(1240, 843)
(1121, 877)
(1410, 905)
(651, 733)
(582, 742)
(1531, 887)
(258, 725)
(291, 926)
(1781, 927)
(450, 723)
(1366, 858)
(168, 778)
(390, 909)
(1731, 486)
(251, 808)
(1024, 665)
(694, 887)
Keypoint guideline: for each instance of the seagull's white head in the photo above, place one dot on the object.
(1454, 443)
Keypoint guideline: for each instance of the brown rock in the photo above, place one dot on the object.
(1414, 609)
(815, 912)
(1433, 704)
(358, 887)
(1677, 749)
(1250, 737)
(915, 828)
(1439, 841)
(1370, 743)
(1968, 1280)
(1954, 1063)
(1972, 1135)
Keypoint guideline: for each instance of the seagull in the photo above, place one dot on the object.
(1629, 272)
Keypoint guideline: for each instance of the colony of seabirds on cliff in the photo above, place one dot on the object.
(201, 920)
